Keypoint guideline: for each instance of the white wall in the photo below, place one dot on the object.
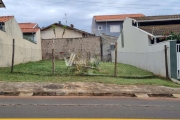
(12, 28)
(134, 40)
(49, 33)
(139, 52)
(25, 50)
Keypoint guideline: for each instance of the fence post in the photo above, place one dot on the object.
(13, 51)
(53, 58)
(166, 61)
(101, 47)
(115, 64)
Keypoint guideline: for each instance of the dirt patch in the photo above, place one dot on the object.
(54, 86)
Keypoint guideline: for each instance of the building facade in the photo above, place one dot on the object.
(142, 44)
(109, 24)
(30, 31)
(24, 50)
(62, 31)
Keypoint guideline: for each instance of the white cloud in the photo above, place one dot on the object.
(80, 12)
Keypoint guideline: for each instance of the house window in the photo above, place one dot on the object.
(100, 27)
(122, 39)
(2, 27)
(30, 37)
(115, 28)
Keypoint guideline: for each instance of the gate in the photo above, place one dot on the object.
(178, 60)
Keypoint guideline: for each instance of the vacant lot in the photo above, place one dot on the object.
(42, 72)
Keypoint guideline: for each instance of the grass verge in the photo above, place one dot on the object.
(41, 72)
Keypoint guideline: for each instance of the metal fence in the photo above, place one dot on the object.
(29, 61)
(150, 61)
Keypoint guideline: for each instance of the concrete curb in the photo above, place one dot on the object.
(142, 95)
(176, 81)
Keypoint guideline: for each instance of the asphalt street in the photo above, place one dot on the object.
(88, 107)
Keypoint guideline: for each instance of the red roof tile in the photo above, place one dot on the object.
(116, 17)
(5, 18)
(29, 30)
(161, 29)
(27, 25)
(160, 17)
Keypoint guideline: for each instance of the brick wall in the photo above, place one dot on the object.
(62, 47)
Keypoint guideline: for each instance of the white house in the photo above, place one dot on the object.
(62, 31)
(142, 41)
(30, 31)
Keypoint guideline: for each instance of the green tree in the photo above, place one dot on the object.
(64, 27)
(54, 29)
(172, 36)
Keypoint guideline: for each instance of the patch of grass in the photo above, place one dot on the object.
(41, 72)
(123, 70)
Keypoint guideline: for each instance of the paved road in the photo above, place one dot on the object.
(88, 107)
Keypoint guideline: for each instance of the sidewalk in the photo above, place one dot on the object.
(83, 89)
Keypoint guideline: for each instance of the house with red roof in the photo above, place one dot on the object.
(30, 31)
(109, 24)
(9, 25)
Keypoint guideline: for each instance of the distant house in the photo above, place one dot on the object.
(9, 25)
(30, 31)
(62, 31)
(2, 4)
(109, 24)
(142, 44)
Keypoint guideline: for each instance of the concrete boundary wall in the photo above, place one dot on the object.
(25, 51)
(152, 60)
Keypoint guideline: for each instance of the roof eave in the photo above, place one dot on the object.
(48, 27)
(67, 27)
(28, 32)
(109, 20)
(154, 36)
(156, 20)
(35, 25)
(144, 31)
(3, 5)
(11, 17)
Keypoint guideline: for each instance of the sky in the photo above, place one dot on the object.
(80, 12)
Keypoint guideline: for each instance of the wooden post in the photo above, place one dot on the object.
(13, 51)
(53, 59)
(166, 61)
(101, 46)
(89, 55)
(115, 62)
